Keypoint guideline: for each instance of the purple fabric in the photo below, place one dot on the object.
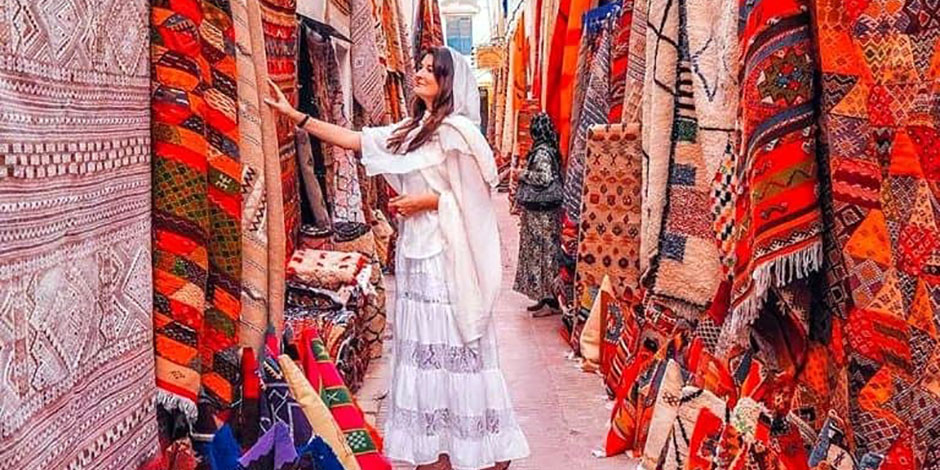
(274, 450)
(279, 406)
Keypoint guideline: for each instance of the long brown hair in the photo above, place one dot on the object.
(443, 105)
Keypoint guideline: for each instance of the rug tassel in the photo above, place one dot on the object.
(777, 273)
(171, 402)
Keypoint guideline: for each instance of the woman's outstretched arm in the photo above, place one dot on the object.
(329, 133)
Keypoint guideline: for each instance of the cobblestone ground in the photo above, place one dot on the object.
(563, 411)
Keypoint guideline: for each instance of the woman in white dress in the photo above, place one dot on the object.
(449, 405)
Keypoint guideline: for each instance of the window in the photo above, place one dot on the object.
(460, 34)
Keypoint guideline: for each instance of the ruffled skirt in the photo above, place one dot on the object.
(445, 398)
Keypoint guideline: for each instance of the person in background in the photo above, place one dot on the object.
(540, 196)
(449, 405)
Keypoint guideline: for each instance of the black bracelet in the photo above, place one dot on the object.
(303, 121)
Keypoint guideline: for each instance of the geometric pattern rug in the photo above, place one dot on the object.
(880, 69)
(196, 205)
(610, 215)
(76, 355)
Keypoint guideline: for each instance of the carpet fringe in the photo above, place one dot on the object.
(172, 402)
(776, 273)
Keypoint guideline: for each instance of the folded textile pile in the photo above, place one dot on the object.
(330, 270)
(338, 294)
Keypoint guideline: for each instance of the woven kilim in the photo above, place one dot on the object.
(375, 313)
(665, 411)
(342, 7)
(395, 59)
(369, 193)
(339, 322)
(317, 413)
(315, 207)
(399, 84)
(492, 99)
(778, 210)
(515, 92)
(196, 204)
(344, 184)
(395, 97)
(274, 451)
(314, 99)
(619, 61)
(571, 41)
(536, 45)
(624, 421)
(555, 32)
(499, 110)
(594, 109)
(279, 406)
(428, 32)
(330, 270)
(657, 337)
(378, 32)
(368, 73)
(246, 16)
(408, 54)
(285, 406)
(608, 242)
(884, 170)
(692, 403)
(180, 203)
(219, 336)
(75, 268)
(582, 73)
(619, 341)
(280, 41)
(624, 353)
(546, 14)
(318, 365)
(636, 64)
(519, 76)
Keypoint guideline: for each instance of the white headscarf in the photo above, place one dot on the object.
(466, 116)
(466, 89)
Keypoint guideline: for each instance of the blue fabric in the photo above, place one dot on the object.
(224, 450)
(319, 453)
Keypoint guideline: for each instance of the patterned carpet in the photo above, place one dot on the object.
(76, 350)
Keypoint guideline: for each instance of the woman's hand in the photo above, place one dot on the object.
(279, 102)
(329, 133)
(410, 205)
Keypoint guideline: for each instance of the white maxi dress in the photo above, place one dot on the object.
(447, 394)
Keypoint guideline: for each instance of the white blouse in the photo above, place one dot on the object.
(420, 235)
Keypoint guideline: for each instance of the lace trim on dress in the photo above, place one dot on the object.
(458, 359)
(444, 422)
(426, 298)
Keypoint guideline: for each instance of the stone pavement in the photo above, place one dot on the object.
(563, 411)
